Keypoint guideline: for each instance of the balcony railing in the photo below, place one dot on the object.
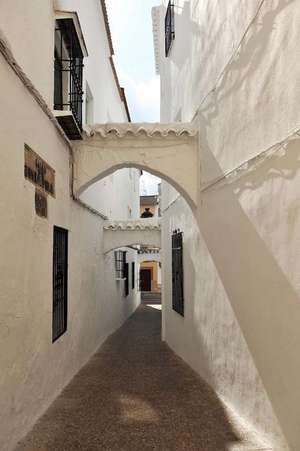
(68, 73)
(73, 69)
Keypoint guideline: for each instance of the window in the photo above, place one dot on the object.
(60, 282)
(177, 272)
(68, 71)
(133, 275)
(126, 276)
(120, 260)
(169, 28)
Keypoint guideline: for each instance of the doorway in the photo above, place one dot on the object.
(145, 279)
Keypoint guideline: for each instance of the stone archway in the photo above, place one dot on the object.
(169, 151)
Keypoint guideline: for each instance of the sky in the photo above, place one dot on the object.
(131, 28)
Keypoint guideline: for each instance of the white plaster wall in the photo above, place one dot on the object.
(33, 370)
(242, 284)
(116, 196)
(262, 76)
(29, 29)
(209, 337)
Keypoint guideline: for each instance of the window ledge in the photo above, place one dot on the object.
(68, 123)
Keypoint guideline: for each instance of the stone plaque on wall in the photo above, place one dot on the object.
(41, 206)
(38, 172)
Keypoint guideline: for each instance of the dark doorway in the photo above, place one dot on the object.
(145, 278)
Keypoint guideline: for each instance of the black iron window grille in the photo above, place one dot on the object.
(177, 272)
(133, 275)
(126, 281)
(169, 28)
(120, 261)
(68, 69)
(60, 282)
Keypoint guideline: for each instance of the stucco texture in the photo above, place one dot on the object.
(235, 67)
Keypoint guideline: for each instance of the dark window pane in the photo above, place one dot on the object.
(177, 273)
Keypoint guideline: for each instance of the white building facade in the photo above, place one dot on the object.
(230, 81)
(59, 295)
(233, 68)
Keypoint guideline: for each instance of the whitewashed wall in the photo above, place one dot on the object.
(116, 196)
(242, 283)
(33, 20)
(33, 370)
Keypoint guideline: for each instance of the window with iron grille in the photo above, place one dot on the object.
(169, 28)
(133, 275)
(126, 277)
(120, 260)
(68, 69)
(177, 272)
(60, 282)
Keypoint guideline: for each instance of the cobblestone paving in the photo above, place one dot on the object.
(136, 395)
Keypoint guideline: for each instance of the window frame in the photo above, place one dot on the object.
(68, 69)
(120, 260)
(177, 273)
(60, 312)
(169, 27)
(133, 275)
(126, 279)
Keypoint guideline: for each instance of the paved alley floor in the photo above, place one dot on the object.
(136, 395)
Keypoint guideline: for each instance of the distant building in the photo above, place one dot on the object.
(149, 206)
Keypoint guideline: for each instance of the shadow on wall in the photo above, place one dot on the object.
(192, 46)
(264, 301)
(174, 325)
(183, 23)
(284, 165)
(250, 56)
(135, 394)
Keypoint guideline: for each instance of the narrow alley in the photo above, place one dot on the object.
(150, 218)
(134, 395)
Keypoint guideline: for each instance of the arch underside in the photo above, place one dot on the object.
(117, 239)
(173, 158)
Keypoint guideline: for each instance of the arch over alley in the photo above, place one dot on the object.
(169, 151)
(144, 232)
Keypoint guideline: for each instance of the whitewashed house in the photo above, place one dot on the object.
(60, 294)
(233, 68)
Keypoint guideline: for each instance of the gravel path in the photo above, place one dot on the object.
(136, 395)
